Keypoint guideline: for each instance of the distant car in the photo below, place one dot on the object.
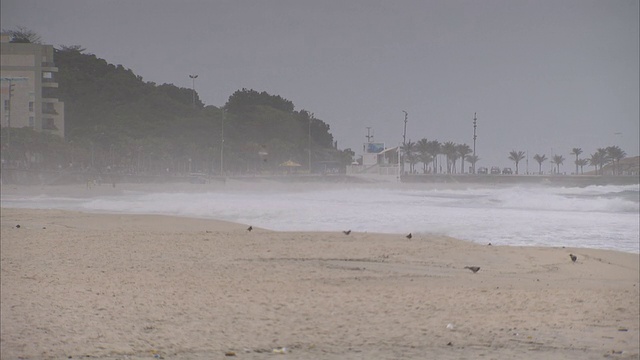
(483, 171)
(495, 170)
(507, 171)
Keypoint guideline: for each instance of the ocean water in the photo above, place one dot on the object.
(603, 217)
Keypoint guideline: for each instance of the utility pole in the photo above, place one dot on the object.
(310, 117)
(404, 139)
(369, 136)
(193, 89)
(475, 125)
(11, 85)
(222, 146)
(11, 81)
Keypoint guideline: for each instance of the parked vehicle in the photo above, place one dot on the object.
(483, 171)
(495, 170)
(507, 171)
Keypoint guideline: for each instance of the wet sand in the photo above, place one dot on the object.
(138, 287)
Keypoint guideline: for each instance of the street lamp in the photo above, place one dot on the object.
(193, 88)
(222, 145)
(404, 139)
(310, 118)
(475, 124)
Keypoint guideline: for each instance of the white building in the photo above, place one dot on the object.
(28, 87)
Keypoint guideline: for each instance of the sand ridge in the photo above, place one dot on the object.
(144, 286)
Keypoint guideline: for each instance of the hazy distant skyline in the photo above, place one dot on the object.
(543, 76)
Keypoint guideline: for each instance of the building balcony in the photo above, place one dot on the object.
(49, 66)
(49, 110)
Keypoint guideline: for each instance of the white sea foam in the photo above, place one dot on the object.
(604, 217)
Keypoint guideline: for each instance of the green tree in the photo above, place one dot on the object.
(434, 150)
(422, 147)
(615, 153)
(450, 151)
(595, 161)
(558, 160)
(463, 150)
(540, 159)
(410, 155)
(582, 163)
(22, 34)
(576, 152)
(473, 159)
(516, 157)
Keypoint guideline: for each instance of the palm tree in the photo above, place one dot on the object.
(540, 159)
(449, 150)
(434, 150)
(558, 160)
(409, 150)
(454, 158)
(595, 160)
(616, 154)
(473, 159)
(603, 156)
(582, 163)
(576, 152)
(422, 147)
(463, 150)
(516, 156)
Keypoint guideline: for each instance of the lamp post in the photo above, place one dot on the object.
(222, 145)
(310, 143)
(475, 125)
(193, 89)
(404, 139)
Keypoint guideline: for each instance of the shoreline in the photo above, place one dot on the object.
(135, 286)
(72, 197)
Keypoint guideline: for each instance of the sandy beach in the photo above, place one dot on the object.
(78, 285)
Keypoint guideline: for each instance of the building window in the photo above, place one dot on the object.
(48, 124)
(30, 106)
(32, 121)
(47, 75)
(6, 105)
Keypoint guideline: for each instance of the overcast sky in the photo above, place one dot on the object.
(544, 76)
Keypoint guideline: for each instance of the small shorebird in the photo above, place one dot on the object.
(573, 257)
(347, 232)
(475, 269)
(250, 228)
(409, 236)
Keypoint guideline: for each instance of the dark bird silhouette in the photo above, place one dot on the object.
(573, 257)
(347, 232)
(475, 269)
(250, 228)
(409, 236)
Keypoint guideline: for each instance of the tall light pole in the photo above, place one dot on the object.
(310, 117)
(222, 146)
(193, 89)
(475, 125)
(404, 139)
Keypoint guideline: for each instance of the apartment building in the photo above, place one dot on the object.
(28, 87)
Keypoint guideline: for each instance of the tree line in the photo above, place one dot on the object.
(426, 152)
(115, 121)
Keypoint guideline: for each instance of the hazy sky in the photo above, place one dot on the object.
(544, 76)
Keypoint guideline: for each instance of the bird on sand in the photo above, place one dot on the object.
(250, 228)
(347, 232)
(409, 236)
(475, 269)
(573, 257)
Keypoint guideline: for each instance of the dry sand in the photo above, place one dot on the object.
(138, 287)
